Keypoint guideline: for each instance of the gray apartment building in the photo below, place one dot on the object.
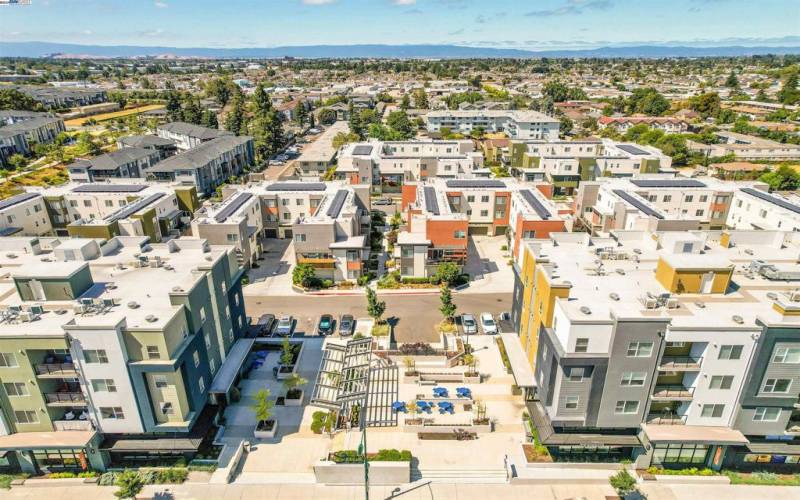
(122, 163)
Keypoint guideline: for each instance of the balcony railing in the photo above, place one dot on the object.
(64, 398)
(678, 363)
(673, 392)
(66, 370)
(72, 425)
(666, 419)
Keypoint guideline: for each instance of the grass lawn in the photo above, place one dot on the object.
(380, 329)
(50, 176)
(77, 122)
(5, 479)
(763, 478)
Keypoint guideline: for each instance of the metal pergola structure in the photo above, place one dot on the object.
(343, 377)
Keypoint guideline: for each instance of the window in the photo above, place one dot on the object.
(712, 411)
(484, 213)
(153, 352)
(285, 202)
(167, 409)
(687, 247)
(160, 381)
(581, 345)
(779, 385)
(703, 198)
(196, 358)
(232, 237)
(699, 213)
(484, 199)
(299, 237)
(299, 202)
(789, 355)
(730, 352)
(104, 385)
(471, 198)
(627, 407)
(667, 198)
(469, 212)
(640, 349)
(87, 203)
(721, 382)
(26, 417)
(764, 414)
(201, 384)
(8, 360)
(95, 356)
(689, 198)
(16, 388)
(571, 402)
(212, 365)
(680, 453)
(287, 216)
(576, 374)
(633, 379)
(202, 314)
(112, 412)
(459, 235)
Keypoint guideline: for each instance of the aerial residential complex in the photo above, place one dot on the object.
(661, 347)
(515, 124)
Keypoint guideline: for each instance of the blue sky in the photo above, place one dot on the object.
(534, 24)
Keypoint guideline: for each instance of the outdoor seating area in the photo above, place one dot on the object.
(423, 405)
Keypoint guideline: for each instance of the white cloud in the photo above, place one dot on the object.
(87, 32)
(404, 2)
(161, 5)
(317, 2)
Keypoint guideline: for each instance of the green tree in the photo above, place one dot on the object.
(789, 93)
(405, 102)
(356, 125)
(375, 307)
(707, 104)
(301, 114)
(17, 162)
(560, 92)
(327, 116)
(448, 273)
(447, 307)
(294, 383)
(647, 101)
(174, 110)
(14, 99)
(262, 406)
(421, 99)
(623, 482)
(209, 119)
(732, 82)
(304, 275)
(235, 119)
(343, 138)
(785, 178)
(565, 126)
(398, 121)
(130, 483)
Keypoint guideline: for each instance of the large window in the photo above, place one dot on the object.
(712, 411)
(112, 412)
(572, 402)
(640, 349)
(104, 385)
(786, 355)
(8, 360)
(53, 460)
(633, 379)
(777, 385)
(95, 356)
(26, 416)
(764, 414)
(721, 382)
(16, 388)
(676, 453)
(581, 345)
(626, 407)
(730, 352)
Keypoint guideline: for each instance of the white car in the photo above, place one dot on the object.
(468, 324)
(488, 324)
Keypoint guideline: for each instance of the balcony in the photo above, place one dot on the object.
(665, 419)
(673, 393)
(56, 370)
(64, 399)
(680, 363)
(72, 425)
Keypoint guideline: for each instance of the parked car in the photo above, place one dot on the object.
(468, 324)
(325, 326)
(285, 326)
(265, 325)
(346, 325)
(383, 201)
(488, 324)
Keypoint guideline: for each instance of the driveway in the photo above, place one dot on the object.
(273, 276)
(487, 264)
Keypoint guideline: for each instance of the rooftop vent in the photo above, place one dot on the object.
(586, 310)
(772, 296)
(133, 304)
(177, 289)
(737, 319)
(11, 255)
(620, 271)
(150, 318)
(614, 296)
(61, 312)
(699, 304)
(637, 251)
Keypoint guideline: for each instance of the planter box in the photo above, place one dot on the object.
(294, 402)
(266, 434)
(662, 478)
(448, 429)
(380, 473)
(70, 481)
(472, 379)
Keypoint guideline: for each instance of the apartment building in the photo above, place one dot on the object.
(671, 349)
(12, 142)
(565, 164)
(24, 214)
(188, 135)
(667, 124)
(654, 203)
(37, 129)
(164, 147)
(387, 166)
(319, 156)
(328, 223)
(108, 348)
(207, 165)
(61, 97)
(747, 147)
(515, 124)
(123, 163)
(442, 213)
(755, 208)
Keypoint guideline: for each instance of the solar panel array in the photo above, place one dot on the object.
(631, 149)
(134, 207)
(296, 186)
(233, 206)
(431, 205)
(109, 188)
(668, 183)
(337, 203)
(475, 183)
(638, 204)
(772, 199)
(14, 200)
(537, 205)
(362, 150)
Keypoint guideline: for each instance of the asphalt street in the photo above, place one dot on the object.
(416, 314)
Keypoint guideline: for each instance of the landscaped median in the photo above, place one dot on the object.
(705, 475)
(347, 467)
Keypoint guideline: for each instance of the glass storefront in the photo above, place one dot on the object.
(53, 460)
(602, 454)
(680, 454)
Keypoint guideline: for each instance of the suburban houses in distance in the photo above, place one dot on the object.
(400, 267)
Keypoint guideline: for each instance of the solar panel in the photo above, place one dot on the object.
(668, 183)
(109, 188)
(233, 206)
(134, 207)
(631, 149)
(337, 203)
(296, 186)
(534, 202)
(431, 205)
(772, 199)
(475, 183)
(362, 150)
(638, 204)
(15, 200)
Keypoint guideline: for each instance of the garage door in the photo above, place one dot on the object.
(270, 233)
(479, 230)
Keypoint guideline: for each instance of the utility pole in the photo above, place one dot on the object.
(362, 448)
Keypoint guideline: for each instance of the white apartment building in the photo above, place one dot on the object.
(24, 214)
(514, 123)
(755, 208)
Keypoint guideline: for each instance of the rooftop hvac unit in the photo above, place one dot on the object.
(36, 309)
(650, 303)
(672, 303)
(26, 316)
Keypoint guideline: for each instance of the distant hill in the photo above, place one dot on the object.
(47, 49)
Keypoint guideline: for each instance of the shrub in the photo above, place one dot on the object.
(327, 283)
(321, 421)
(504, 248)
(62, 475)
(623, 482)
(200, 467)
(130, 484)
(414, 280)
(171, 476)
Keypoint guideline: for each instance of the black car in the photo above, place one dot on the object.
(346, 325)
(265, 325)
(325, 326)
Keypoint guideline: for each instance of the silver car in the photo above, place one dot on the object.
(469, 324)
(285, 326)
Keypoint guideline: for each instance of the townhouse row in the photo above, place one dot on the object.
(21, 130)
(516, 124)
(671, 349)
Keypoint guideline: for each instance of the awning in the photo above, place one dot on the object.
(39, 440)
(523, 374)
(693, 434)
(231, 366)
(159, 445)
(549, 437)
(774, 448)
